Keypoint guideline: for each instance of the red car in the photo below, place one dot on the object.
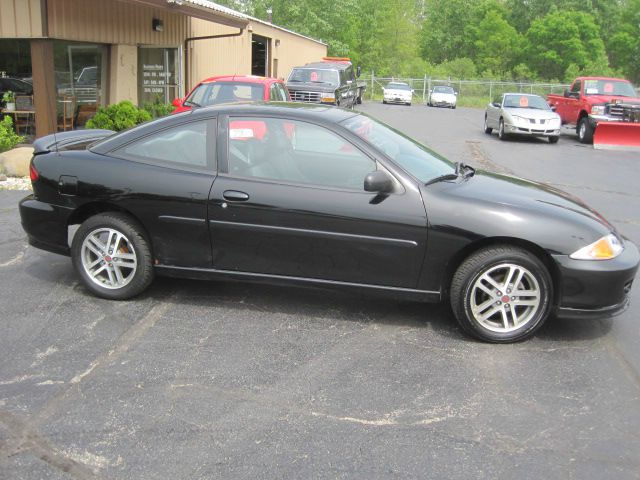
(233, 88)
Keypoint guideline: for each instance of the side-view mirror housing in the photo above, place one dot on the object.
(566, 94)
(496, 104)
(358, 71)
(378, 182)
(177, 102)
(455, 93)
(553, 108)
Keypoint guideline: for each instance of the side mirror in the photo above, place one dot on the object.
(553, 108)
(455, 93)
(177, 102)
(566, 94)
(358, 71)
(378, 182)
(496, 104)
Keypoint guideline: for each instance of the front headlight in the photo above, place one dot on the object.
(518, 119)
(597, 109)
(606, 248)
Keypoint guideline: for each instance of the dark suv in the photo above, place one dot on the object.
(332, 83)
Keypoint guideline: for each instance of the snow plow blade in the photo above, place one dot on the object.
(617, 136)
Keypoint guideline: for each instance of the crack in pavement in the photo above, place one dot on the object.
(24, 434)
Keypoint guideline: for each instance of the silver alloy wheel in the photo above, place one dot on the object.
(505, 297)
(108, 258)
(501, 130)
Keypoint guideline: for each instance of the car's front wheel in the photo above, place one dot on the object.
(554, 139)
(501, 294)
(585, 131)
(487, 128)
(112, 256)
(501, 134)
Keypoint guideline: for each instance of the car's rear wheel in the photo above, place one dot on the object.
(501, 134)
(585, 131)
(554, 139)
(112, 256)
(501, 294)
(487, 128)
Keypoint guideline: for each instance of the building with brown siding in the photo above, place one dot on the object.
(75, 55)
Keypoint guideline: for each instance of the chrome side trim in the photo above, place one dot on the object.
(312, 281)
(174, 219)
(318, 233)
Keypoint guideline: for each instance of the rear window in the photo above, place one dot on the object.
(225, 92)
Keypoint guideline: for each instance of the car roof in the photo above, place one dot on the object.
(322, 114)
(241, 78)
(523, 94)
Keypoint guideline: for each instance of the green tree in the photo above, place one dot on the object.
(497, 44)
(562, 38)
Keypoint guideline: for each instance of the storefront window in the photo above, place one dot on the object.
(81, 77)
(158, 75)
(15, 77)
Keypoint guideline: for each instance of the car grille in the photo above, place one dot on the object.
(309, 97)
(625, 112)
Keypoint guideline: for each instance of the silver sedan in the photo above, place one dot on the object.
(522, 114)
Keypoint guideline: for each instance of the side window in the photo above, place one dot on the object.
(291, 151)
(191, 145)
(576, 87)
(276, 93)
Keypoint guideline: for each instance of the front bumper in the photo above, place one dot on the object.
(535, 132)
(395, 99)
(436, 102)
(596, 289)
(45, 225)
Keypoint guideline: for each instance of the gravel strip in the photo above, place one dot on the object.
(15, 183)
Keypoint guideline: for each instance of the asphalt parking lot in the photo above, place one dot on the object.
(230, 380)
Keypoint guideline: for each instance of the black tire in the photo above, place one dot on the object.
(585, 131)
(554, 139)
(501, 134)
(487, 129)
(384, 102)
(409, 104)
(493, 261)
(359, 98)
(134, 239)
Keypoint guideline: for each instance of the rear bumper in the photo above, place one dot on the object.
(596, 289)
(45, 225)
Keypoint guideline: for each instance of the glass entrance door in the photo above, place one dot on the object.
(158, 75)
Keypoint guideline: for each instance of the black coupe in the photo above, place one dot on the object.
(323, 197)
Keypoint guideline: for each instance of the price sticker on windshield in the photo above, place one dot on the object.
(524, 102)
(608, 88)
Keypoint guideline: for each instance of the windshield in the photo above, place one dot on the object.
(525, 101)
(608, 87)
(225, 92)
(442, 90)
(314, 75)
(398, 86)
(418, 160)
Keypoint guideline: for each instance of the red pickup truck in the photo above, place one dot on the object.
(592, 100)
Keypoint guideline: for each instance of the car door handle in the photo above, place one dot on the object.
(235, 196)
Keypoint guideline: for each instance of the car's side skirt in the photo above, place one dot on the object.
(215, 274)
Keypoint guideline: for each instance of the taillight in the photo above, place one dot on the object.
(33, 173)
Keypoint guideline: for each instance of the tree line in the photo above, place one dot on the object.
(523, 40)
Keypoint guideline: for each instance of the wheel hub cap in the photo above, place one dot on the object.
(505, 297)
(108, 258)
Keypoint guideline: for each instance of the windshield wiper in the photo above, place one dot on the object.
(191, 102)
(460, 170)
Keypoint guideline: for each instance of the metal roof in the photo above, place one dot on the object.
(203, 9)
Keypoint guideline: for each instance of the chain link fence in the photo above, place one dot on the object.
(472, 93)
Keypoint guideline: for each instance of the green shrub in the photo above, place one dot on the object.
(158, 109)
(8, 138)
(119, 116)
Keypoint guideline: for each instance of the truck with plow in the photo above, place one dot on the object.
(605, 111)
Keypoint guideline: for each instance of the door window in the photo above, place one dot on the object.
(277, 93)
(291, 151)
(188, 145)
